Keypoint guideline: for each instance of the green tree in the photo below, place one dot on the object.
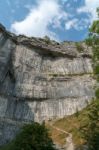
(32, 137)
(91, 129)
(95, 26)
(93, 38)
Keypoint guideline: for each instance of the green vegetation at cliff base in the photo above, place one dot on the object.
(83, 125)
(32, 137)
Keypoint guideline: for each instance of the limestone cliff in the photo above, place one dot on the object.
(41, 80)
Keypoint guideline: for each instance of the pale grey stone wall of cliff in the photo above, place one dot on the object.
(41, 81)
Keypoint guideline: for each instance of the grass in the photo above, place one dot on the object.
(72, 124)
(70, 75)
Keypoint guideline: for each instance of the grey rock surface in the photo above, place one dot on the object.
(41, 80)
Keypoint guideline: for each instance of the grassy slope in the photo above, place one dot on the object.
(71, 124)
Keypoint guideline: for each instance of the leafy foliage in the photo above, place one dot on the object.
(79, 47)
(93, 40)
(96, 69)
(32, 137)
(97, 93)
(89, 41)
(91, 129)
(47, 39)
(95, 27)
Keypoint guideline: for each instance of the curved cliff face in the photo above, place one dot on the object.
(41, 80)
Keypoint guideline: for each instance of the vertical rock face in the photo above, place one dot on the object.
(41, 80)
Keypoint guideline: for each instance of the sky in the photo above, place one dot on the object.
(61, 20)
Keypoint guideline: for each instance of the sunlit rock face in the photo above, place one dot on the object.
(41, 80)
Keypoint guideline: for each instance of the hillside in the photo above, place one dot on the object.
(74, 124)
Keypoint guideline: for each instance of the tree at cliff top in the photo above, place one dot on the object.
(32, 137)
(91, 129)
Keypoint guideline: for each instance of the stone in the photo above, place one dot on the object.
(41, 80)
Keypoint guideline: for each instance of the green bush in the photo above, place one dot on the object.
(32, 137)
(96, 52)
(97, 93)
(89, 41)
(90, 130)
(96, 69)
(79, 47)
(47, 40)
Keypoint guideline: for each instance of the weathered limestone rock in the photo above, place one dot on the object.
(41, 80)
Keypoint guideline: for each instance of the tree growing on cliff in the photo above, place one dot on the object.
(91, 129)
(32, 137)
